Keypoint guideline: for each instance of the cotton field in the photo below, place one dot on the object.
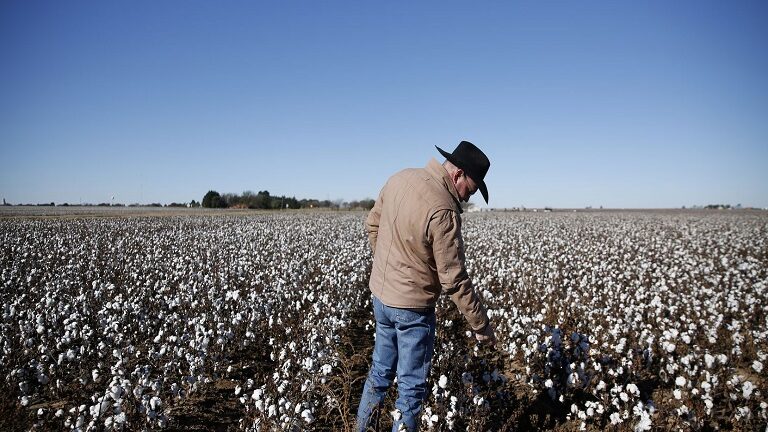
(196, 320)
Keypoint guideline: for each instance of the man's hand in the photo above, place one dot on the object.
(487, 335)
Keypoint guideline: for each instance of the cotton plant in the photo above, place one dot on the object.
(159, 306)
(563, 366)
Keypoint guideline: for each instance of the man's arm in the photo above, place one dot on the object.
(372, 222)
(444, 232)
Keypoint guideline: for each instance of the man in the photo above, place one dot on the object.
(418, 252)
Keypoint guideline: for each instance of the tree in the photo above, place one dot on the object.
(262, 200)
(213, 200)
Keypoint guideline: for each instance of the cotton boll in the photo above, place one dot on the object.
(155, 403)
(743, 412)
(709, 360)
(119, 419)
(747, 389)
(644, 424)
(443, 381)
(307, 416)
(708, 403)
(99, 409)
(615, 418)
(257, 394)
(116, 392)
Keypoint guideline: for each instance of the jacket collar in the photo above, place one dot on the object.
(440, 174)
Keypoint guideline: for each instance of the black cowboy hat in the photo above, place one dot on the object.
(472, 161)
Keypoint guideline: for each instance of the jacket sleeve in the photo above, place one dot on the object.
(444, 232)
(372, 222)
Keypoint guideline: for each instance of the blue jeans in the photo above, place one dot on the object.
(405, 340)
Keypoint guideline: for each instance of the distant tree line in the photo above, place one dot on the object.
(263, 200)
(721, 206)
(248, 200)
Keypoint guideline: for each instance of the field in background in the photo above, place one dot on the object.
(216, 320)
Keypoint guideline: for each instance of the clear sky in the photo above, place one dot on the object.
(613, 103)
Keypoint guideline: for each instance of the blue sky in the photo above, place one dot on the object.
(615, 103)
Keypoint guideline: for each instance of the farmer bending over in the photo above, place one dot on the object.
(418, 252)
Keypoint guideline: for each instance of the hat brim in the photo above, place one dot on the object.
(480, 183)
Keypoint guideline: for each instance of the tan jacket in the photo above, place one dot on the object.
(418, 252)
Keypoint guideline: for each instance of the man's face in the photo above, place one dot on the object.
(466, 187)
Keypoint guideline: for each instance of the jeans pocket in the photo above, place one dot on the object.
(414, 316)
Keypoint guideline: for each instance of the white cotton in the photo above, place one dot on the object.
(746, 389)
(742, 412)
(155, 403)
(680, 381)
(708, 403)
(757, 366)
(307, 416)
(443, 381)
(645, 423)
(616, 418)
(119, 418)
(709, 360)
